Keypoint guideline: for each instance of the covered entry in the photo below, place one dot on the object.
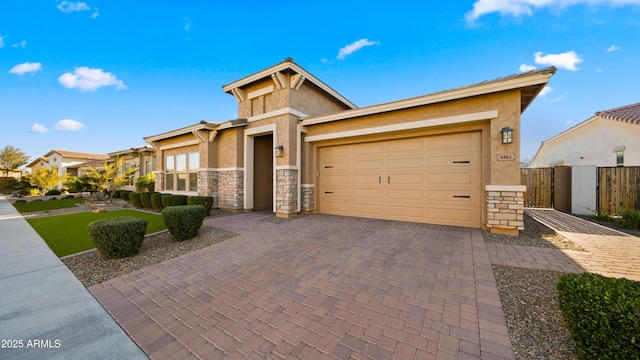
(432, 179)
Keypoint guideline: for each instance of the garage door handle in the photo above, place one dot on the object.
(462, 162)
(379, 179)
(388, 179)
(462, 196)
(328, 167)
(328, 192)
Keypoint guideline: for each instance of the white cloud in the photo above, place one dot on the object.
(613, 48)
(69, 125)
(526, 7)
(567, 60)
(559, 98)
(2, 41)
(27, 67)
(37, 128)
(545, 90)
(599, 69)
(85, 78)
(21, 44)
(70, 6)
(351, 48)
(187, 23)
(525, 68)
(95, 14)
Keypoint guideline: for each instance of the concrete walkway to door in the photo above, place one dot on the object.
(608, 252)
(318, 287)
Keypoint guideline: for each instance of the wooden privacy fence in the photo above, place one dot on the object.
(618, 189)
(539, 182)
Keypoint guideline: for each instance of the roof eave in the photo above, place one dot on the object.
(540, 78)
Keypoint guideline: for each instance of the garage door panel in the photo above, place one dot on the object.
(405, 179)
(367, 209)
(335, 153)
(405, 194)
(416, 213)
(451, 178)
(368, 165)
(450, 215)
(405, 163)
(433, 179)
(367, 150)
(368, 194)
(336, 166)
(447, 143)
(332, 180)
(411, 146)
(465, 161)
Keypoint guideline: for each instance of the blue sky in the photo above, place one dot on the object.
(97, 76)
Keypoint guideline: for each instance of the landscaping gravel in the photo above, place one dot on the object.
(534, 234)
(90, 268)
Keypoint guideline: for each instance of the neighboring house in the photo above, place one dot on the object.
(609, 138)
(65, 161)
(141, 157)
(299, 146)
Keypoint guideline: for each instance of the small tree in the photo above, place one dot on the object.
(12, 158)
(146, 183)
(47, 179)
(108, 178)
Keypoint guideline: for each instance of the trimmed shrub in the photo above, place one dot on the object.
(629, 219)
(206, 201)
(173, 200)
(118, 237)
(116, 194)
(602, 314)
(136, 200)
(183, 221)
(156, 202)
(124, 194)
(53, 192)
(146, 200)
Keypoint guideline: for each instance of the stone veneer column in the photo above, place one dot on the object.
(286, 192)
(159, 186)
(505, 208)
(308, 197)
(208, 184)
(231, 189)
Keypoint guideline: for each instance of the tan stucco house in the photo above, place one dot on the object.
(300, 146)
(609, 138)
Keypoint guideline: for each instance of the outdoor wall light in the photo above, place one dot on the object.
(507, 135)
(279, 150)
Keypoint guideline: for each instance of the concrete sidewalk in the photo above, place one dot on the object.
(45, 312)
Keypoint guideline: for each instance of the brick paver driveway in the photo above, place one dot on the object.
(318, 287)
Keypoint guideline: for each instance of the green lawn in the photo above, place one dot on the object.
(24, 207)
(67, 234)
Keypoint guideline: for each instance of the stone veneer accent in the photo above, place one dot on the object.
(505, 208)
(308, 197)
(286, 192)
(208, 184)
(230, 189)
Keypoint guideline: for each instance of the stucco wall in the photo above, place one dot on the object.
(592, 144)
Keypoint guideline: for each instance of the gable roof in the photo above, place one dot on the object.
(80, 155)
(628, 113)
(530, 83)
(288, 65)
(33, 162)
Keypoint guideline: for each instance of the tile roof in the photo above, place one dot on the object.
(629, 114)
(80, 155)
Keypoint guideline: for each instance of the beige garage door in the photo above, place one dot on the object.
(435, 179)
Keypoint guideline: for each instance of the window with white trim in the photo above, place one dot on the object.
(619, 158)
(181, 172)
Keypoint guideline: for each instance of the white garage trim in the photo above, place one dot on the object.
(448, 120)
